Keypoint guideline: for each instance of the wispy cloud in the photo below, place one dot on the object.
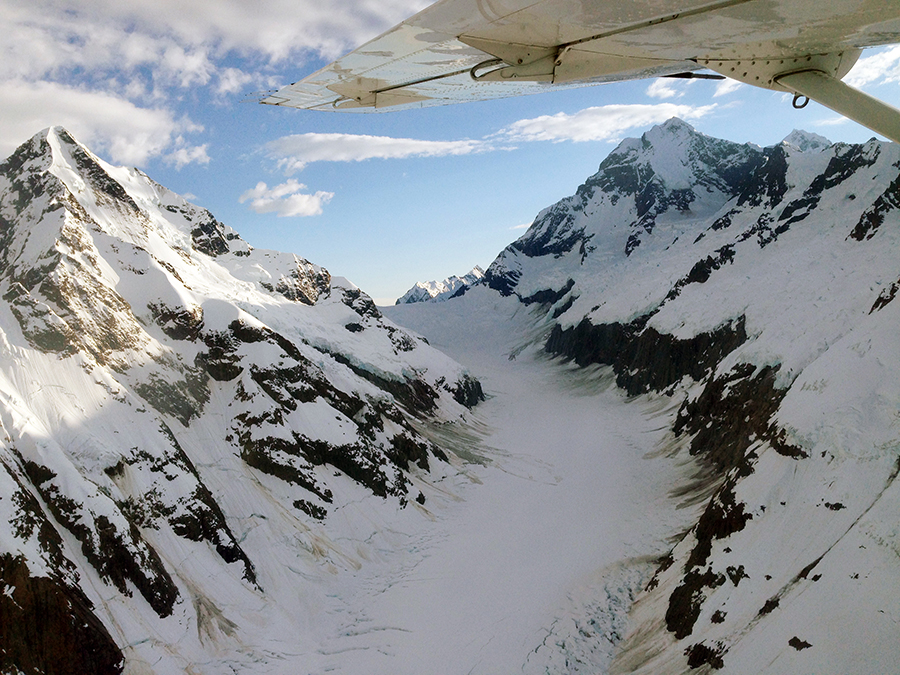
(232, 80)
(187, 154)
(831, 122)
(603, 123)
(286, 200)
(881, 67)
(294, 153)
(184, 36)
(663, 88)
(726, 86)
(112, 71)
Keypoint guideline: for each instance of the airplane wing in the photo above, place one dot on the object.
(467, 50)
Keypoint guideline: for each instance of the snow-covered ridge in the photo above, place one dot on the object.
(181, 415)
(806, 141)
(759, 285)
(439, 291)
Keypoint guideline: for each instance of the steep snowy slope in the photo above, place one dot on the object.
(756, 287)
(180, 417)
(439, 291)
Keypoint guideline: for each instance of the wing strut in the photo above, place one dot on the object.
(846, 100)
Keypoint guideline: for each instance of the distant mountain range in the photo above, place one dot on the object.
(439, 291)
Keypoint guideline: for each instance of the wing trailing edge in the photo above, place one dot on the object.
(470, 50)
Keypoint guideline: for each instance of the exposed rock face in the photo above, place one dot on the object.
(169, 395)
(643, 358)
(48, 627)
(758, 287)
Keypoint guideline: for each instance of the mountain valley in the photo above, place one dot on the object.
(658, 436)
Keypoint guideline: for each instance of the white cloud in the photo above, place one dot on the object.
(184, 35)
(188, 67)
(232, 80)
(878, 68)
(523, 226)
(107, 123)
(662, 88)
(726, 86)
(107, 69)
(602, 123)
(188, 154)
(286, 200)
(831, 122)
(295, 152)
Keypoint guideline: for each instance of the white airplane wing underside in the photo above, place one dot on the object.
(468, 50)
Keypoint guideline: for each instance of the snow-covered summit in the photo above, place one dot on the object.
(670, 177)
(439, 291)
(806, 141)
(181, 415)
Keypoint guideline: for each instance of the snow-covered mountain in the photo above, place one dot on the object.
(187, 426)
(439, 291)
(754, 289)
(220, 459)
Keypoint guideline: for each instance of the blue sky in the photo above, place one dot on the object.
(384, 199)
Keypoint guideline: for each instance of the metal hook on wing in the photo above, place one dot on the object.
(490, 63)
(798, 104)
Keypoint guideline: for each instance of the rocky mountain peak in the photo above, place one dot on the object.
(660, 190)
(672, 174)
(806, 141)
(673, 154)
(439, 291)
(673, 131)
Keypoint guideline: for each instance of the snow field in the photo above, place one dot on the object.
(570, 509)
